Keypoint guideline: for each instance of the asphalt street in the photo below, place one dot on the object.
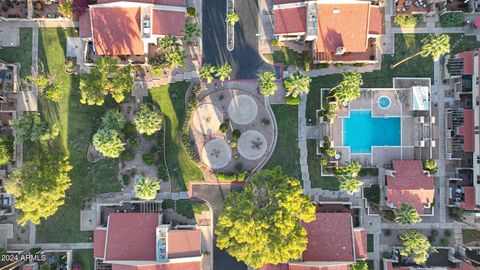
(244, 59)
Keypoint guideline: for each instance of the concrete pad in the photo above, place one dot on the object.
(242, 109)
(27, 101)
(252, 145)
(88, 220)
(206, 119)
(9, 35)
(216, 154)
(74, 47)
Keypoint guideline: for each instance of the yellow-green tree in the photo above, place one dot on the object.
(262, 224)
(39, 187)
(416, 246)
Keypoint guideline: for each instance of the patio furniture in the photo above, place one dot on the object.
(416, 4)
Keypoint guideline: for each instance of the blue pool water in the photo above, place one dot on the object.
(361, 131)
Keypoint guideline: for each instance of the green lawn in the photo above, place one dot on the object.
(370, 243)
(77, 124)
(182, 168)
(314, 170)
(288, 57)
(286, 153)
(21, 54)
(84, 257)
(470, 235)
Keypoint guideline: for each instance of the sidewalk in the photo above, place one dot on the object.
(51, 246)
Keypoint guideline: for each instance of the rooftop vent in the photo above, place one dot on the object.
(336, 11)
(340, 50)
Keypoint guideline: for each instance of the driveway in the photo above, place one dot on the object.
(215, 195)
(244, 59)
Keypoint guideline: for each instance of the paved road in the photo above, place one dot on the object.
(215, 195)
(244, 59)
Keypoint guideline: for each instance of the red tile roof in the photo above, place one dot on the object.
(469, 203)
(27, 266)
(342, 25)
(179, 3)
(360, 237)
(290, 20)
(467, 131)
(293, 266)
(376, 21)
(116, 31)
(169, 266)
(329, 238)
(277, 2)
(184, 243)
(280, 266)
(85, 27)
(467, 62)
(410, 185)
(99, 237)
(131, 236)
(166, 22)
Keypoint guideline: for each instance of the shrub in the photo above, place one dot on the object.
(359, 64)
(404, 20)
(430, 165)
(236, 134)
(434, 233)
(331, 152)
(323, 65)
(274, 42)
(224, 127)
(387, 255)
(372, 194)
(432, 238)
(148, 158)
(191, 11)
(126, 179)
(323, 162)
(233, 144)
(167, 204)
(447, 233)
(306, 64)
(265, 121)
(161, 173)
(452, 19)
(387, 232)
(445, 241)
(338, 64)
(231, 177)
(292, 100)
(127, 155)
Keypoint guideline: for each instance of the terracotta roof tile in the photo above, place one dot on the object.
(99, 237)
(360, 244)
(329, 238)
(183, 243)
(85, 27)
(469, 203)
(116, 31)
(169, 266)
(342, 25)
(131, 236)
(410, 185)
(290, 20)
(467, 62)
(468, 131)
(376, 21)
(166, 22)
(179, 3)
(331, 267)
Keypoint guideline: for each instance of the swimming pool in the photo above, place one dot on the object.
(361, 131)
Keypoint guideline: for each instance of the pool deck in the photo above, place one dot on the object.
(401, 106)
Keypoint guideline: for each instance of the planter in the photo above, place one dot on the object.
(230, 27)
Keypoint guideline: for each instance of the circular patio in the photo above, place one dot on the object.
(216, 154)
(235, 110)
(242, 109)
(252, 145)
(206, 119)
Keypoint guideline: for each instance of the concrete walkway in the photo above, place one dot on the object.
(34, 50)
(302, 143)
(51, 246)
(43, 23)
(428, 30)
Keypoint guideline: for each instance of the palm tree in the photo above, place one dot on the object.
(168, 43)
(147, 188)
(406, 214)
(191, 31)
(349, 184)
(223, 72)
(175, 58)
(297, 84)
(205, 73)
(232, 18)
(432, 45)
(267, 84)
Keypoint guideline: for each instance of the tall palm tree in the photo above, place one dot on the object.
(146, 188)
(297, 84)
(191, 31)
(168, 43)
(432, 45)
(223, 72)
(406, 214)
(267, 84)
(349, 184)
(205, 73)
(232, 18)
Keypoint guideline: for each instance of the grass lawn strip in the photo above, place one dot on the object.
(286, 153)
(77, 124)
(182, 169)
(21, 54)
